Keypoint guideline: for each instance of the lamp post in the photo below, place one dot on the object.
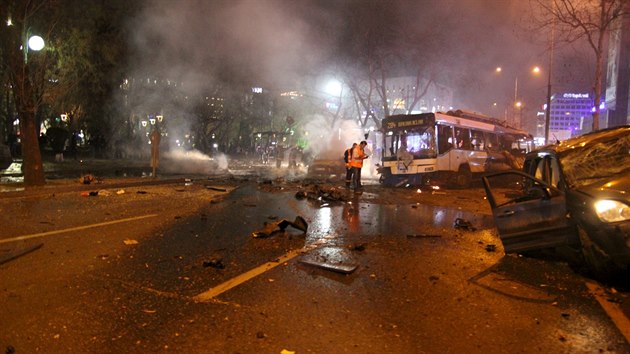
(548, 108)
(516, 103)
(35, 43)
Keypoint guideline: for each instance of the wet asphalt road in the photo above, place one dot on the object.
(175, 268)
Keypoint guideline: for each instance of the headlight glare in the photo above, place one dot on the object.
(612, 210)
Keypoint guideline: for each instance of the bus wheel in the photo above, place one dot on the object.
(464, 177)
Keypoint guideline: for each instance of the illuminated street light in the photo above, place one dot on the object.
(333, 88)
(517, 104)
(35, 43)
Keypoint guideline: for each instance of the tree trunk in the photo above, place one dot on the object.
(31, 156)
(32, 166)
(599, 65)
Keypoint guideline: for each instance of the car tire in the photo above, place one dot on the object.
(598, 263)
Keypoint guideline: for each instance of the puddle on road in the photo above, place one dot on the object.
(373, 219)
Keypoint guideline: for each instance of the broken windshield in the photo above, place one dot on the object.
(596, 159)
(417, 141)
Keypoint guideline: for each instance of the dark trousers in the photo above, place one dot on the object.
(349, 174)
(356, 171)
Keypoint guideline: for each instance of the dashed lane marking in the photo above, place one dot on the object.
(72, 229)
(613, 310)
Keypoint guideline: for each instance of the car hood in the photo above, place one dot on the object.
(617, 188)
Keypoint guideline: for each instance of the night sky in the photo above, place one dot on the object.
(277, 43)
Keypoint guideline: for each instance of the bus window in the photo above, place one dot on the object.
(444, 138)
(477, 139)
(462, 138)
(492, 142)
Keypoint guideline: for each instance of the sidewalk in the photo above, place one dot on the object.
(67, 176)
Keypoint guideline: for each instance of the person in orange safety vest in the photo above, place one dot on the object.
(358, 155)
(347, 158)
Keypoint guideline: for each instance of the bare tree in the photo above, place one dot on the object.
(589, 20)
(27, 74)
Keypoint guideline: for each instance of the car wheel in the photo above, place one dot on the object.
(463, 179)
(597, 261)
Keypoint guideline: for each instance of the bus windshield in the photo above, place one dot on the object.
(417, 141)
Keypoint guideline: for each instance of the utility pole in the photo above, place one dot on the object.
(548, 110)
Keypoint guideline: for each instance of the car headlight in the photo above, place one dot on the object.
(612, 210)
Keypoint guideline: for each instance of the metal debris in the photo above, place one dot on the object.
(342, 268)
(216, 189)
(19, 253)
(273, 228)
(214, 263)
(463, 224)
(323, 194)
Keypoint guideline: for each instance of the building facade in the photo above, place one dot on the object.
(618, 75)
(571, 115)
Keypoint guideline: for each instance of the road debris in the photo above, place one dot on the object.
(335, 259)
(463, 224)
(323, 194)
(335, 267)
(19, 253)
(424, 236)
(360, 247)
(89, 179)
(214, 263)
(216, 189)
(273, 228)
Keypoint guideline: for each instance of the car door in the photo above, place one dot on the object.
(528, 212)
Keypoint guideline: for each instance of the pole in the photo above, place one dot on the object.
(548, 110)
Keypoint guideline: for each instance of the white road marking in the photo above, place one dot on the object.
(78, 228)
(240, 279)
(612, 309)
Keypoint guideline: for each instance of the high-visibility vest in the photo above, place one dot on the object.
(357, 157)
(349, 155)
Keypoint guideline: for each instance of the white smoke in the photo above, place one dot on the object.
(193, 162)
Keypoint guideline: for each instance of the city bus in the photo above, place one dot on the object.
(447, 148)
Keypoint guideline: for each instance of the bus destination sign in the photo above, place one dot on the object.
(406, 123)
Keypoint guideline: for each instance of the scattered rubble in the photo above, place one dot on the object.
(463, 224)
(273, 228)
(89, 179)
(214, 263)
(325, 194)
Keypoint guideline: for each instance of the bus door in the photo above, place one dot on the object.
(445, 146)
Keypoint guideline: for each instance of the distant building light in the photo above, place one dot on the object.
(575, 95)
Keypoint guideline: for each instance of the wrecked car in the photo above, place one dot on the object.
(330, 169)
(575, 193)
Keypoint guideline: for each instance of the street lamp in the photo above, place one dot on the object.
(516, 103)
(35, 43)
